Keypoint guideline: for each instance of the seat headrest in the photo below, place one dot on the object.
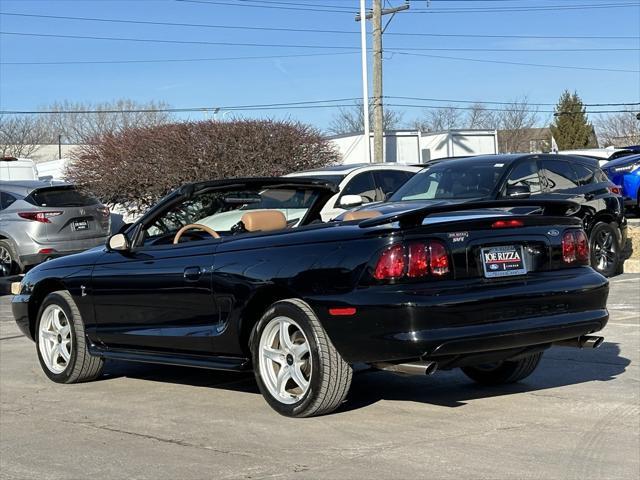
(360, 215)
(264, 221)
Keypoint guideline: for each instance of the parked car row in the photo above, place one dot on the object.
(32, 231)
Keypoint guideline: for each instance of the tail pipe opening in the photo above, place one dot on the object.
(413, 368)
(586, 341)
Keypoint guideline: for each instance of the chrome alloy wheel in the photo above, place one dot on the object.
(604, 250)
(5, 262)
(54, 339)
(285, 360)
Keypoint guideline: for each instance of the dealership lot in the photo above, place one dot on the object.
(577, 416)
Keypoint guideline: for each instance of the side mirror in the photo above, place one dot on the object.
(518, 191)
(118, 243)
(350, 201)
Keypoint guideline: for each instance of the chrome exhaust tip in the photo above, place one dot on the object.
(586, 341)
(413, 368)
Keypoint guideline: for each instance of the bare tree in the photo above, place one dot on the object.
(478, 117)
(83, 122)
(350, 120)
(619, 130)
(440, 119)
(515, 123)
(20, 136)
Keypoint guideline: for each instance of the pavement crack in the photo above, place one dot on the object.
(172, 441)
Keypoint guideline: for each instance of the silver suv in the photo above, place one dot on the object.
(43, 220)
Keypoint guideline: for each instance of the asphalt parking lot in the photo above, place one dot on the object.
(576, 417)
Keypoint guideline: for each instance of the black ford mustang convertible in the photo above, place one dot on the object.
(243, 274)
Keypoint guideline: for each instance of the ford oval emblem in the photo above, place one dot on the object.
(553, 233)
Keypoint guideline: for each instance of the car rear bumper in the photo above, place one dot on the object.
(59, 249)
(458, 318)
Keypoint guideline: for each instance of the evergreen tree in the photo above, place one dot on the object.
(571, 128)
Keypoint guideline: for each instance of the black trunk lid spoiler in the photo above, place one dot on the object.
(415, 217)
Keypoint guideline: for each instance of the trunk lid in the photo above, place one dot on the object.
(71, 214)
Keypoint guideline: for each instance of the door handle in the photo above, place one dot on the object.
(192, 274)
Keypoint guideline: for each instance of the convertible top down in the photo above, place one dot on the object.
(243, 274)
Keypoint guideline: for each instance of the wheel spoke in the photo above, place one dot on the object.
(300, 349)
(298, 377)
(48, 335)
(275, 355)
(284, 375)
(55, 317)
(285, 338)
(64, 353)
(53, 355)
(65, 331)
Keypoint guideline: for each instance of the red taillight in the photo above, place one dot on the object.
(582, 247)
(615, 190)
(421, 259)
(438, 259)
(569, 247)
(46, 251)
(418, 260)
(507, 224)
(391, 264)
(42, 217)
(575, 247)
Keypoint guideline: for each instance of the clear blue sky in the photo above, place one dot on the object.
(277, 80)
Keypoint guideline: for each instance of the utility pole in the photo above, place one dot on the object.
(378, 114)
(366, 135)
(378, 108)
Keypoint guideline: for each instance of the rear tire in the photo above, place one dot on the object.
(298, 370)
(61, 343)
(605, 249)
(503, 372)
(8, 260)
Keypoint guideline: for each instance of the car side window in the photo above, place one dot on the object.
(363, 185)
(559, 175)
(390, 180)
(584, 175)
(525, 174)
(6, 200)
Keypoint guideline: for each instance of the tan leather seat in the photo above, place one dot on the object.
(264, 221)
(360, 215)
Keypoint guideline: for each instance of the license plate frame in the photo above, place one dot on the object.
(80, 225)
(503, 261)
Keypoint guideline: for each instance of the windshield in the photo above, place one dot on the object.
(462, 180)
(333, 178)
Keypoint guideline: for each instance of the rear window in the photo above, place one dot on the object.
(60, 197)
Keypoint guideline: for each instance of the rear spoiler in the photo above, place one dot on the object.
(415, 217)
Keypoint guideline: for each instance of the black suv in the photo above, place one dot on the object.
(533, 176)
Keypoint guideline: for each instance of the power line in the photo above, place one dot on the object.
(320, 8)
(309, 30)
(490, 102)
(283, 106)
(331, 47)
(186, 42)
(505, 62)
(179, 60)
(528, 8)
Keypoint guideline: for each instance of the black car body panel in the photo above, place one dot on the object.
(197, 303)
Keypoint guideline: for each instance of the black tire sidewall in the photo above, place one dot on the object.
(613, 267)
(290, 310)
(15, 265)
(60, 301)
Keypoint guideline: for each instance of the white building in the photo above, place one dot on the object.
(411, 146)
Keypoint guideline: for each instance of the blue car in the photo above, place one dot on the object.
(625, 172)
